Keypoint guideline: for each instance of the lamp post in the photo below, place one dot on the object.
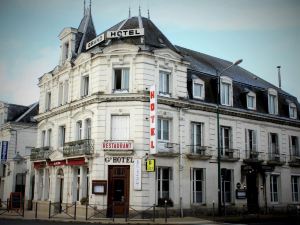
(218, 133)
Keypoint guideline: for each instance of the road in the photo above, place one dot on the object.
(40, 222)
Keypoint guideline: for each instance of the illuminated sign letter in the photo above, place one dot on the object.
(153, 119)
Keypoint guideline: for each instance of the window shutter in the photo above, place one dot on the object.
(171, 173)
(60, 93)
(254, 144)
(270, 143)
(125, 79)
(193, 134)
(246, 139)
(290, 146)
(230, 138)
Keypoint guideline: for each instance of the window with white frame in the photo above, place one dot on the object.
(226, 140)
(273, 144)
(48, 101)
(273, 101)
(196, 137)
(120, 127)
(198, 89)
(251, 100)
(63, 91)
(49, 136)
(79, 130)
(88, 129)
(43, 138)
(62, 135)
(164, 82)
(294, 146)
(293, 111)
(121, 79)
(250, 139)
(295, 188)
(226, 91)
(85, 85)
(274, 188)
(227, 183)
(163, 127)
(163, 177)
(60, 93)
(198, 185)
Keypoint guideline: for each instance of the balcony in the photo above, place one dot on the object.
(198, 152)
(167, 149)
(276, 159)
(294, 160)
(77, 148)
(230, 154)
(41, 153)
(253, 157)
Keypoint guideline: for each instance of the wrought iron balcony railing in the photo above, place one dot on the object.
(199, 152)
(41, 153)
(254, 156)
(276, 158)
(80, 147)
(230, 154)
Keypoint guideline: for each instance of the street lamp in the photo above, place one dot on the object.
(218, 132)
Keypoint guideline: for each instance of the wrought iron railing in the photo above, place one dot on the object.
(200, 150)
(254, 155)
(276, 158)
(80, 147)
(230, 154)
(40, 153)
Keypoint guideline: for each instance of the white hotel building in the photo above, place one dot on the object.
(93, 126)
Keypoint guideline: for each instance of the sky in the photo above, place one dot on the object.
(264, 33)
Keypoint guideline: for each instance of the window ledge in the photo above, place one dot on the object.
(120, 91)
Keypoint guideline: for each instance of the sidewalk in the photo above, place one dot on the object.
(30, 215)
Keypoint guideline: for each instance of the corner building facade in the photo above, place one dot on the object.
(93, 130)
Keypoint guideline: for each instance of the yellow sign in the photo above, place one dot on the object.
(150, 165)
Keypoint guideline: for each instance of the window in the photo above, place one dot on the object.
(225, 140)
(163, 129)
(295, 188)
(272, 98)
(226, 91)
(196, 137)
(48, 101)
(60, 94)
(79, 130)
(43, 138)
(66, 91)
(121, 80)
(293, 111)
(120, 127)
(66, 51)
(85, 86)
(227, 182)
(62, 136)
(250, 139)
(163, 176)
(274, 188)
(273, 143)
(88, 128)
(294, 146)
(49, 137)
(198, 89)
(164, 82)
(198, 185)
(251, 101)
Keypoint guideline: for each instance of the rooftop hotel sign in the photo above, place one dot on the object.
(125, 33)
(153, 119)
(95, 41)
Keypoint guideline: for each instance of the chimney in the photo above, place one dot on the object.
(279, 76)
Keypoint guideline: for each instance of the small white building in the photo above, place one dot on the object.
(18, 131)
(94, 126)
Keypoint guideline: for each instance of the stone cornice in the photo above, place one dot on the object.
(178, 103)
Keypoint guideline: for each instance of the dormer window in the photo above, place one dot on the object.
(121, 80)
(251, 100)
(164, 83)
(198, 89)
(293, 111)
(273, 101)
(226, 91)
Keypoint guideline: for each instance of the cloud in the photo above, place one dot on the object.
(19, 81)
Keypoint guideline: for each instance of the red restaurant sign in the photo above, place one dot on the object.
(117, 145)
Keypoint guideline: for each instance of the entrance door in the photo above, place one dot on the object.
(252, 192)
(118, 190)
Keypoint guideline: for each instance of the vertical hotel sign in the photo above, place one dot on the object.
(153, 119)
(4, 150)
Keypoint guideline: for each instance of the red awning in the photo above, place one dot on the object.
(76, 162)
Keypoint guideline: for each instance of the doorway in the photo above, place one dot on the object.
(252, 192)
(118, 190)
(60, 182)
